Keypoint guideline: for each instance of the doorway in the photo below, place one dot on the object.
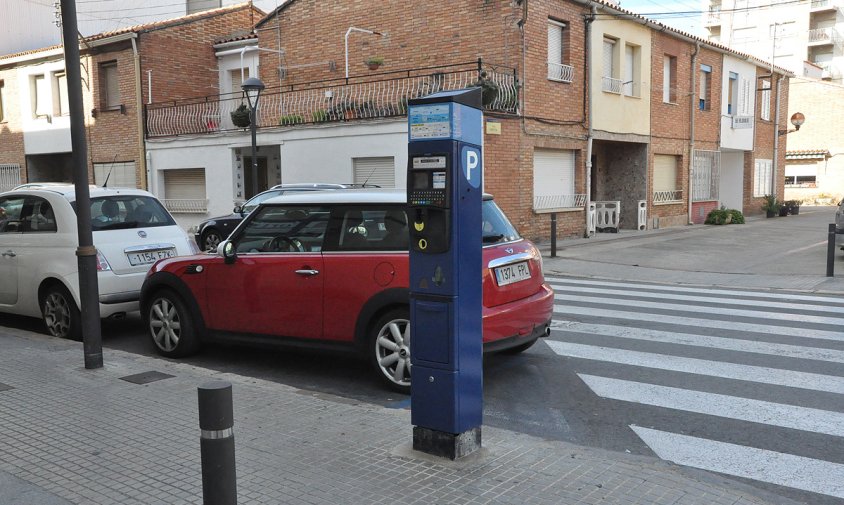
(254, 185)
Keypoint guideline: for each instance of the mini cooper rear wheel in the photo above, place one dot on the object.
(389, 349)
(61, 316)
(171, 326)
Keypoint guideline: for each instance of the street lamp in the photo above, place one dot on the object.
(348, 32)
(252, 88)
(797, 119)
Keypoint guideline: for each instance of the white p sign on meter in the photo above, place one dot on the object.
(471, 160)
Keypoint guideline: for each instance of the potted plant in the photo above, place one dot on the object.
(290, 119)
(373, 62)
(319, 116)
(771, 206)
(240, 116)
(793, 207)
(489, 89)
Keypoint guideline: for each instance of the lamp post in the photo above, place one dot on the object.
(252, 88)
(349, 32)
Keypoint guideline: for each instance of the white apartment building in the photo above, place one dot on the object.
(791, 32)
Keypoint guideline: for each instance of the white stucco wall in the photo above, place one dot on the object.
(307, 154)
(618, 113)
(42, 136)
(738, 138)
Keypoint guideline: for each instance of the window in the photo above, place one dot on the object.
(184, 190)
(666, 187)
(631, 70)
(40, 92)
(60, 103)
(127, 212)
(553, 180)
(704, 88)
(765, 106)
(10, 214)
(2, 102)
(10, 176)
(109, 86)
(40, 216)
(611, 83)
(669, 79)
(732, 94)
(558, 52)
(379, 172)
(121, 174)
(369, 229)
(706, 175)
(276, 229)
(237, 77)
(801, 175)
(762, 178)
(195, 6)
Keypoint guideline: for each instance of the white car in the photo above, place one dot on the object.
(38, 241)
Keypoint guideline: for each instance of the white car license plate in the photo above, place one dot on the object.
(508, 274)
(149, 257)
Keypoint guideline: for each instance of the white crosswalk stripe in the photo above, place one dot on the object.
(781, 340)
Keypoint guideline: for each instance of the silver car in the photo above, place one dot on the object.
(839, 225)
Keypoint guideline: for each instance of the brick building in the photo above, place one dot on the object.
(120, 69)
(602, 117)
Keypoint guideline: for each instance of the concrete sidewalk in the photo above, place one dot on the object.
(80, 436)
(787, 253)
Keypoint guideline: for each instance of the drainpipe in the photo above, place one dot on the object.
(776, 135)
(589, 133)
(693, 107)
(139, 108)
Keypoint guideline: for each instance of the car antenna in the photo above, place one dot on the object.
(110, 168)
(368, 176)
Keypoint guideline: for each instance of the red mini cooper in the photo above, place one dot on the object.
(330, 268)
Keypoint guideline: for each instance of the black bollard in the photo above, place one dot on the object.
(216, 443)
(830, 251)
(553, 234)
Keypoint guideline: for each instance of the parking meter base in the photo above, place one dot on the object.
(446, 445)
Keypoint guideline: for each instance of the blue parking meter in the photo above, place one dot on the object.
(444, 191)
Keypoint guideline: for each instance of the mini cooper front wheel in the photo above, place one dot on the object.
(389, 349)
(170, 325)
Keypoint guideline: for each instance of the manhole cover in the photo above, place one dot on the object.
(146, 377)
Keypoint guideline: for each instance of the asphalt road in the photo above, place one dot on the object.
(644, 368)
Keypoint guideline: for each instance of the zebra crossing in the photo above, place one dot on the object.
(760, 373)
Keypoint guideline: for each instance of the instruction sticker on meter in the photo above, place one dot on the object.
(430, 121)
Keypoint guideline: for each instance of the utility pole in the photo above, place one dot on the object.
(86, 252)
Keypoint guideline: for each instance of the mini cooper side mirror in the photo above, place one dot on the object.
(228, 251)
(238, 210)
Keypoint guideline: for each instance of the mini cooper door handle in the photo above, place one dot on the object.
(10, 253)
(307, 272)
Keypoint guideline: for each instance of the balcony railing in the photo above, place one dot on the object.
(186, 206)
(713, 18)
(668, 196)
(819, 36)
(558, 72)
(820, 5)
(612, 85)
(558, 202)
(335, 100)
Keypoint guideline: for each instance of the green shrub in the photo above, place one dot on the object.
(319, 116)
(290, 119)
(725, 216)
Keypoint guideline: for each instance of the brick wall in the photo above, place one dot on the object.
(764, 144)
(11, 134)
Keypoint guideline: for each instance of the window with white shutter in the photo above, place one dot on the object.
(669, 79)
(558, 68)
(123, 174)
(379, 172)
(109, 86)
(237, 77)
(665, 181)
(746, 98)
(553, 180)
(608, 56)
(40, 90)
(184, 190)
(765, 106)
(762, 177)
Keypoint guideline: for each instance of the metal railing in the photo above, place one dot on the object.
(821, 4)
(668, 196)
(559, 72)
(612, 85)
(334, 100)
(827, 35)
(10, 176)
(713, 18)
(194, 206)
(546, 202)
